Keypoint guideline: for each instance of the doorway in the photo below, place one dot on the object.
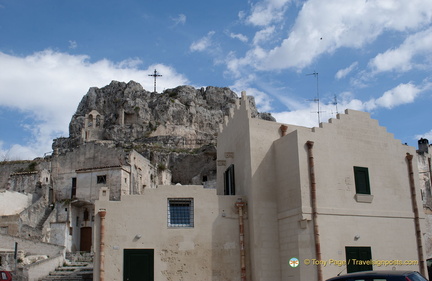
(355, 254)
(86, 239)
(138, 265)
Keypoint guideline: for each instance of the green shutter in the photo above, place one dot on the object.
(361, 176)
(138, 265)
(357, 259)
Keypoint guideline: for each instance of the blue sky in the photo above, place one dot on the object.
(374, 56)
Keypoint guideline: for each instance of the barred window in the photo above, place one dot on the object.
(180, 212)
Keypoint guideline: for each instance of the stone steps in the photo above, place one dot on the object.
(44, 218)
(72, 271)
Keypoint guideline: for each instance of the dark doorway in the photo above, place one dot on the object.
(86, 239)
(358, 259)
(138, 265)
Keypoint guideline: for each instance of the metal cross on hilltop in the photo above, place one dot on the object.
(155, 75)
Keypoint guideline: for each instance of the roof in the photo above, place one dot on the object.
(98, 168)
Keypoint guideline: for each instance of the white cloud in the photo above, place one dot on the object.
(48, 86)
(203, 43)
(344, 72)
(72, 44)
(267, 12)
(262, 100)
(401, 59)
(240, 37)
(401, 94)
(180, 19)
(236, 65)
(264, 35)
(307, 114)
(427, 135)
(325, 26)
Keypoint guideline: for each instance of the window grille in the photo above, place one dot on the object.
(180, 212)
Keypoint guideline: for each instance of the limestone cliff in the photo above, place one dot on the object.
(175, 129)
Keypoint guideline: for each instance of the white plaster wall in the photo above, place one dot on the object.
(423, 159)
(208, 251)
(59, 235)
(353, 140)
(273, 173)
(390, 238)
(12, 202)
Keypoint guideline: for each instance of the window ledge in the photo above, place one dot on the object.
(363, 198)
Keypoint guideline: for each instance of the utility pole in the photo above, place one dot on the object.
(155, 74)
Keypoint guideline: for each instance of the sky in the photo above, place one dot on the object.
(303, 61)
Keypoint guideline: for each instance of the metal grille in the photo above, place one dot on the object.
(180, 212)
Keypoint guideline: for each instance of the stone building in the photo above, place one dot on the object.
(57, 199)
(338, 192)
(291, 203)
(425, 171)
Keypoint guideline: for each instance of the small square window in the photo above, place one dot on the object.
(180, 212)
(101, 179)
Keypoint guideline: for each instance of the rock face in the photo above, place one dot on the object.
(176, 129)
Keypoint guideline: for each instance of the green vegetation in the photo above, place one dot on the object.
(172, 94)
(30, 168)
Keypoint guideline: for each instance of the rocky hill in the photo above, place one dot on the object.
(176, 129)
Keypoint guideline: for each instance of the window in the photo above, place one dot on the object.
(356, 254)
(101, 179)
(180, 212)
(74, 185)
(86, 215)
(229, 181)
(361, 177)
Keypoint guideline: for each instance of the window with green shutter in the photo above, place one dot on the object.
(361, 176)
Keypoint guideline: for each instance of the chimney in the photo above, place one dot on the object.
(423, 146)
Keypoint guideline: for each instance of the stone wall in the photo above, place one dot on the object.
(209, 250)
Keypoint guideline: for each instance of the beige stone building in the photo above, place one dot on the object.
(425, 171)
(339, 198)
(169, 233)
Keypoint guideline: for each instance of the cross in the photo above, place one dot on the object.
(155, 75)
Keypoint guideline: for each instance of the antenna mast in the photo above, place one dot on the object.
(155, 74)
(317, 99)
(335, 103)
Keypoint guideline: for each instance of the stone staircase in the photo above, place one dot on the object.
(72, 271)
(47, 213)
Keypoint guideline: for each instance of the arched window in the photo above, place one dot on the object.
(90, 121)
(98, 121)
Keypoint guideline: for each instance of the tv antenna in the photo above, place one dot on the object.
(155, 74)
(317, 99)
(335, 103)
